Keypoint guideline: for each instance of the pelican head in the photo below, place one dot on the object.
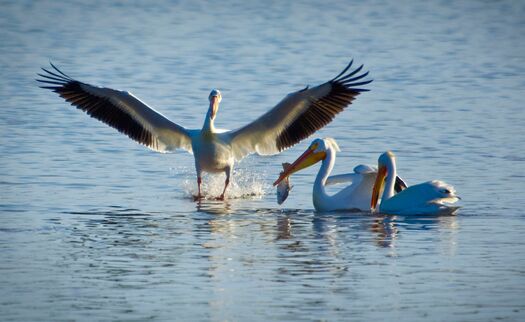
(386, 160)
(214, 98)
(316, 152)
(385, 163)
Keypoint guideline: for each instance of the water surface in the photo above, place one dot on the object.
(95, 227)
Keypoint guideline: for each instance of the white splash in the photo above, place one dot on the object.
(244, 184)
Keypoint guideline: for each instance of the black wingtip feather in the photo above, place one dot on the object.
(50, 77)
(97, 107)
(49, 82)
(324, 109)
(58, 70)
(360, 83)
(49, 87)
(344, 70)
(357, 70)
(58, 76)
(349, 80)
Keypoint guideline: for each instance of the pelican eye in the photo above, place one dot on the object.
(446, 191)
(314, 146)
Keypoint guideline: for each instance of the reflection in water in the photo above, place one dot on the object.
(291, 230)
(385, 231)
(218, 249)
(294, 225)
(386, 228)
(284, 227)
(214, 207)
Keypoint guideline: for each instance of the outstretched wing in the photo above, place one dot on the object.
(120, 110)
(298, 115)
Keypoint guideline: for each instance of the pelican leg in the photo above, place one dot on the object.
(226, 183)
(199, 195)
(228, 171)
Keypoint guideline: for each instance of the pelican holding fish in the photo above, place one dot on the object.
(429, 198)
(355, 196)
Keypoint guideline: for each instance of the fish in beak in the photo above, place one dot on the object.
(284, 187)
(308, 158)
(378, 186)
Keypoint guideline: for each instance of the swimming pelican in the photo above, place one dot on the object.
(353, 197)
(295, 118)
(428, 198)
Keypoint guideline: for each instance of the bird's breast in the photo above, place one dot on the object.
(212, 154)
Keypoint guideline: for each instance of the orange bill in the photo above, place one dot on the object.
(308, 158)
(378, 185)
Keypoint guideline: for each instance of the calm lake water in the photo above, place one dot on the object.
(95, 227)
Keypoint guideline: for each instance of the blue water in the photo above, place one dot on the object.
(95, 227)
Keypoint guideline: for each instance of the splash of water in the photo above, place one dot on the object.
(243, 184)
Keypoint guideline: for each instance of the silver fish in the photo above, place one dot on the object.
(284, 187)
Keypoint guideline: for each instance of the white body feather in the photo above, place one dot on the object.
(428, 198)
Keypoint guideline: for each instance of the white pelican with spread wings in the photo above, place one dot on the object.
(293, 119)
